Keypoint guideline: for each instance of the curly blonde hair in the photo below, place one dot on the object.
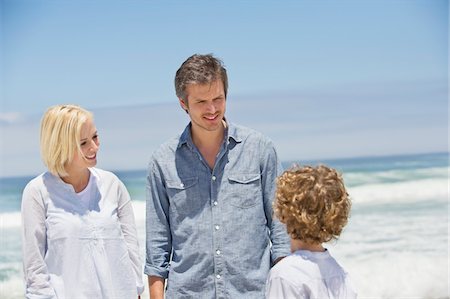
(313, 203)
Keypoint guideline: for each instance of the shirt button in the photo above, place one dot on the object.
(217, 227)
(215, 203)
(213, 177)
(218, 276)
(218, 252)
(181, 185)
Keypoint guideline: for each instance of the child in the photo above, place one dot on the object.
(313, 204)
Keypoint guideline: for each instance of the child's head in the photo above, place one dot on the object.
(313, 203)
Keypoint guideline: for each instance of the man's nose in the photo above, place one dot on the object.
(211, 107)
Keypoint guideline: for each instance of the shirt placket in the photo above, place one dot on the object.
(216, 207)
(215, 176)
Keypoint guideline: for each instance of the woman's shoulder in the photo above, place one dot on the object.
(38, 181)
(105, 177)
(36, 188)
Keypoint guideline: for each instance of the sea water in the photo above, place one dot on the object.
(394, 246)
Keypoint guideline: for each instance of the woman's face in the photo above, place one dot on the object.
(89, 144)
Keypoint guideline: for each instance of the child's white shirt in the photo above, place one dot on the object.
(306, 274)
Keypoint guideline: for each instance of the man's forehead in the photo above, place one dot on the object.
(205, 88)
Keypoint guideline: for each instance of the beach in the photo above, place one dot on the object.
(394, 246)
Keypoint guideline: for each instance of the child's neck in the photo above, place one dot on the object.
(302, 245)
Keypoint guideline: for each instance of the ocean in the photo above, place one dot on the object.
(396, 244)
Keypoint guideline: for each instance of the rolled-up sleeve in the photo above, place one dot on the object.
(271, 168)
(158, 236)
(128, 227)
(34, 245)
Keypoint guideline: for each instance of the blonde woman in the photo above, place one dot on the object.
(79, 233)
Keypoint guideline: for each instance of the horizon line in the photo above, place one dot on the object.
(324, 160)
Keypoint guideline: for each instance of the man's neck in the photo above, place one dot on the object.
(208, 143)
(208, 139)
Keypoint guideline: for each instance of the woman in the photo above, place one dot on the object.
(79, 234)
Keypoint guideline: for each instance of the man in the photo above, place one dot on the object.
(210, 230)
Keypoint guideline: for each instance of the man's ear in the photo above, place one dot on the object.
(183, 104)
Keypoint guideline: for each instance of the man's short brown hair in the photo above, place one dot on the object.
(200, 69)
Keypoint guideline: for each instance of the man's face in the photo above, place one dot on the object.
(205, 104)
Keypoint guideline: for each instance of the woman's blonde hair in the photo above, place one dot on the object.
(313, 203)
(60, 136)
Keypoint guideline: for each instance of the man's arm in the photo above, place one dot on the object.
(158, 235)
(156, 287)
(270, 169)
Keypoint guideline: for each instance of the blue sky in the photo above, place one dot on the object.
(324, 79)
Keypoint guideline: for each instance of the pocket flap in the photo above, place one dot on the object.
(181, 184)
(244, 178)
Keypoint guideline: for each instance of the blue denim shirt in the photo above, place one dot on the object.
(211, 232)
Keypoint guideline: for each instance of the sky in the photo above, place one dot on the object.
(323, 79)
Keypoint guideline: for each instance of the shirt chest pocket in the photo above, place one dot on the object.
(184, 195)
(244, 189)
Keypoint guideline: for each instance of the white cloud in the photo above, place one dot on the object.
(10, 117)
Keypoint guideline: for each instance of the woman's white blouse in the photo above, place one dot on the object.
(73, 250)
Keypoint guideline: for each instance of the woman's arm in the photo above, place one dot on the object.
(128, 226)
(34, 244)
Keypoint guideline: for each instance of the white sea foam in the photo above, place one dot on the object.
(10, 220)
(395, 254)
(397, 274)
(12, 288)
(409, 191)
(395, 175)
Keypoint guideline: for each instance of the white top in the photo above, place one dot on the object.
(306, 274)
(85, 195)
(71, 250)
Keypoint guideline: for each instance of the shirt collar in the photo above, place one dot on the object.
(231, 132)
(185, 137)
